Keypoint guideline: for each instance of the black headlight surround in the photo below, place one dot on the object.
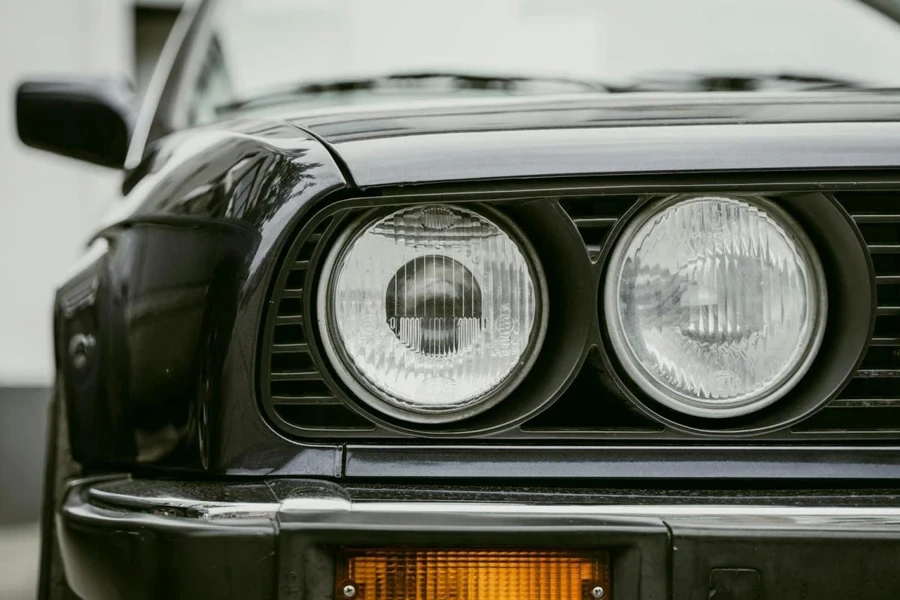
(570, 320)
(849, 323)
(577, 372)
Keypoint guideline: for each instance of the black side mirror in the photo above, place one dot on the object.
(86, 119)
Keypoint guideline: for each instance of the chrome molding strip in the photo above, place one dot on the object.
(312, 498)
(208, 510)
(238, 511)
(187, 508)
(776, 463)
(621, 510)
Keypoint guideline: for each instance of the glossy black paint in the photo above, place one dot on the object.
(110, 553)
(86, 119)
(592, 110)
(173, 303)
(613, 134)
(485, 155)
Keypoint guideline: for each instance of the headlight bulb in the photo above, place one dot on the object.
(433, 306)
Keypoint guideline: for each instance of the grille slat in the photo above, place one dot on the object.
(285, 348)
(866, 219)
(865, 402)
(306, 401)
(297, 376)
(289, 320)
(877, 373)
(884, 249)
(591, 222)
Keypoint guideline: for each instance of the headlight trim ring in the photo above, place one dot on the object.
(341, 362)
(645, 380)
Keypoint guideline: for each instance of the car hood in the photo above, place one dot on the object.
(597, 110)
(607, 134)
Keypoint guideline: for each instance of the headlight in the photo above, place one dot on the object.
(715, 305)
(432, 314)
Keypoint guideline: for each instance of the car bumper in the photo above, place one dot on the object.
(128, 538)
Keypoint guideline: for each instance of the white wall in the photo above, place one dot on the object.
(48, 205)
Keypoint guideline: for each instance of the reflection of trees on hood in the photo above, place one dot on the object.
(253, 190)
(274, 181)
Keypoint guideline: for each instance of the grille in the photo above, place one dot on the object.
(298, 393)
(871, 401)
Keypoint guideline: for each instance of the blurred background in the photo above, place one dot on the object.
(50, 205)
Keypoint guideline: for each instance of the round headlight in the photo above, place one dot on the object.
(432, 314)
(715, 305)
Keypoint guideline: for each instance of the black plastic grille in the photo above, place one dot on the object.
(297, 391)
(871, 401)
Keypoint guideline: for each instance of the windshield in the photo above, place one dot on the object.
(265, 54)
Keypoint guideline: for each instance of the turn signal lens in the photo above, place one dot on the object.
(473, 574)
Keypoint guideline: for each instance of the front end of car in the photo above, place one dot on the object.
(624, 381)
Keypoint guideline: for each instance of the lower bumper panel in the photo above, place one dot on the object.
(124, 538)
(116, 551)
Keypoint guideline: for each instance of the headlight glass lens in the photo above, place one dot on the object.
(715, 305)
(433, 310)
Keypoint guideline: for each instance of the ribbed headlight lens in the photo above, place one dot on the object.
(431, 313)
(715, 305)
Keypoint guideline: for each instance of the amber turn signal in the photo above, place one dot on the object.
(472, 574)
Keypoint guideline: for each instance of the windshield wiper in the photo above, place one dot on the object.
(426, 80)
(738, 82)
(461, 81)
(492, 82)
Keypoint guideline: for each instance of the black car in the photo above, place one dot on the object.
(458, 301)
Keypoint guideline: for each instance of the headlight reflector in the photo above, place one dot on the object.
(431, 314)
(715, 305)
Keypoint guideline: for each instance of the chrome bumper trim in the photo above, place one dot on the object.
(316, 498)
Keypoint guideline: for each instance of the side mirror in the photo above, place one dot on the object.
(85, 119)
